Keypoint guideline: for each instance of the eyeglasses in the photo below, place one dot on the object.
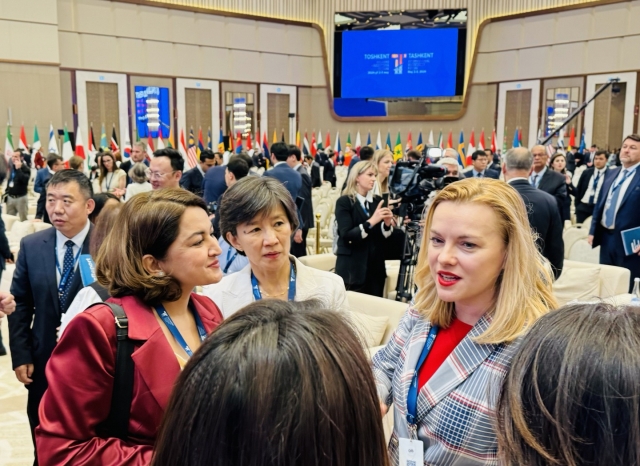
(157, 175)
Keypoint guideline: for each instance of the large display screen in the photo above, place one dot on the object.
(400, 63)
(152, 111)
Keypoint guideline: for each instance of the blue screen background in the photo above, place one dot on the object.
(429, 72)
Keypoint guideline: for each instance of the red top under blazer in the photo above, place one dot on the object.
(80, 374)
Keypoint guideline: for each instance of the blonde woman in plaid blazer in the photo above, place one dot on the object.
(478, 264)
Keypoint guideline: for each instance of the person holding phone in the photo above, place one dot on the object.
(364, 224)
(17, 183)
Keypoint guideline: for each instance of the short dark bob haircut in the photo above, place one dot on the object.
(571, 396)
(277, 384)
(251, 197)
(149, 223)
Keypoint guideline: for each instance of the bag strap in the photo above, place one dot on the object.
(117, 423)
(100, 290)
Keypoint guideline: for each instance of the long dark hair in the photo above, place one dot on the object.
(278, 383)
(571, 396)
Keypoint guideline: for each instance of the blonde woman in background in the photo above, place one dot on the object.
(383, 160)
(481, 284)
(139, 181)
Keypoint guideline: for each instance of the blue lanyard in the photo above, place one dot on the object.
(65, 277)
(621, 182)
(292, 285)
(412, 396)
(162, 313)
(230, 258)
(108, 185)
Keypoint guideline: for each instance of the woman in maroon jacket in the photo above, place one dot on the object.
(160, 250)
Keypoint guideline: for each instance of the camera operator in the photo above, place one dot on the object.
(17, 184)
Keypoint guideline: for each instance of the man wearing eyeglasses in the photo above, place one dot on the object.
(165, 169)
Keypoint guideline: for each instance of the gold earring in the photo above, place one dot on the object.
(160, 274)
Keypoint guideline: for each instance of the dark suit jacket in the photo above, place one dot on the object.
(488, 173)
(356, 254)
(126, 166)
(290, 178)
(81, 373)
(544, 218)
(583, 184)
(555, 184)
(213, 184)
(35, 288)
(316, 182)
(329, 172)
(192, 181)
(628, 215)
(306, 212)
(42, 178)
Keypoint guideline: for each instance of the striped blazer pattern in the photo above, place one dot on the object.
(456, 406)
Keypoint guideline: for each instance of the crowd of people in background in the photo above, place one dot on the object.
(220, 328)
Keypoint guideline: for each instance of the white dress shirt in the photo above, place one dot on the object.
(361, 199)
(539, 176)
(623, 190)
(61, 249)
(589, 192)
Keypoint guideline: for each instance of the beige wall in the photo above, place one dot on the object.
(167, 42)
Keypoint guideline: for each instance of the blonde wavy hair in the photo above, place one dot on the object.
(357, 170)
(377, 157)
(523, 290)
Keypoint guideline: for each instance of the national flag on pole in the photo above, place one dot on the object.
(200, 143)
(561, 139)
(314, 147)
(347, 146)
(160, 143)
(462, 158)
(338, 149)
(36, 140)
(22, 143)
(209, 143)
(67, 149)
(516, 142)
(440, 141)
(583, 144)
(182, 146)
(192, 150)
(249, 143)
(431, 141)
(53, 144)
(397, 149)
(481, 141)
(265, 145)
(494, 144)
(80, 144)
(282, 138)
(327, 141)
(298, 140)
(275, 137)
(369, 138)
(450, 140)
(472, 145)
(572, 138)
(127, 148)
(358, 143)
(388, 142)
(170, 140)
(231, 147)
(306, 150)
(378, 141)
(8, 143)
(320, 145)
(221, 142)
(520, 138)
(409, 145)
(103, 138)
(114, 140)
(150, 147)
(91, 145)
(504, 142)
(239, 143)
(420, 146)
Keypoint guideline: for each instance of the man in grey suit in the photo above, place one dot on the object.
(46, 279)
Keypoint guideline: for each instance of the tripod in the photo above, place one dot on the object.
(405, 285)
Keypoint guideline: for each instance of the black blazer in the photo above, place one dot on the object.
(357, 254)
(544, 218)
(628, 215)
(192, 181)
(488, 173)
(35, 288)
(306, 213)
(290, 178)
(583, 184)
(316, 182)
(555, 184)
(329, 171)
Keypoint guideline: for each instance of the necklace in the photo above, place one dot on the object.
(271, 295)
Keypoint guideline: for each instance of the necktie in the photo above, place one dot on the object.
(479, 175)
(610, 211)
(67, 271)
(535, 180)
(366, 206)
(592, 198)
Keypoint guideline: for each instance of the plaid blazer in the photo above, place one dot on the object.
(456, 406)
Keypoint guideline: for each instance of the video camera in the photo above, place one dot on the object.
(413, 181)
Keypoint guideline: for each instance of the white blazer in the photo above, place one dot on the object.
(233, 292)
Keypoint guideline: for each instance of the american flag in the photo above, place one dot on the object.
(192, 154)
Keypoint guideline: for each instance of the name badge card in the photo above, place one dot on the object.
(411, 452)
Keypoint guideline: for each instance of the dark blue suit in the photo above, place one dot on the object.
(42, 178)
(33, 325)
(291, 179)
(192, 181)
(627, 216)
(214, 184)
(488, 173)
